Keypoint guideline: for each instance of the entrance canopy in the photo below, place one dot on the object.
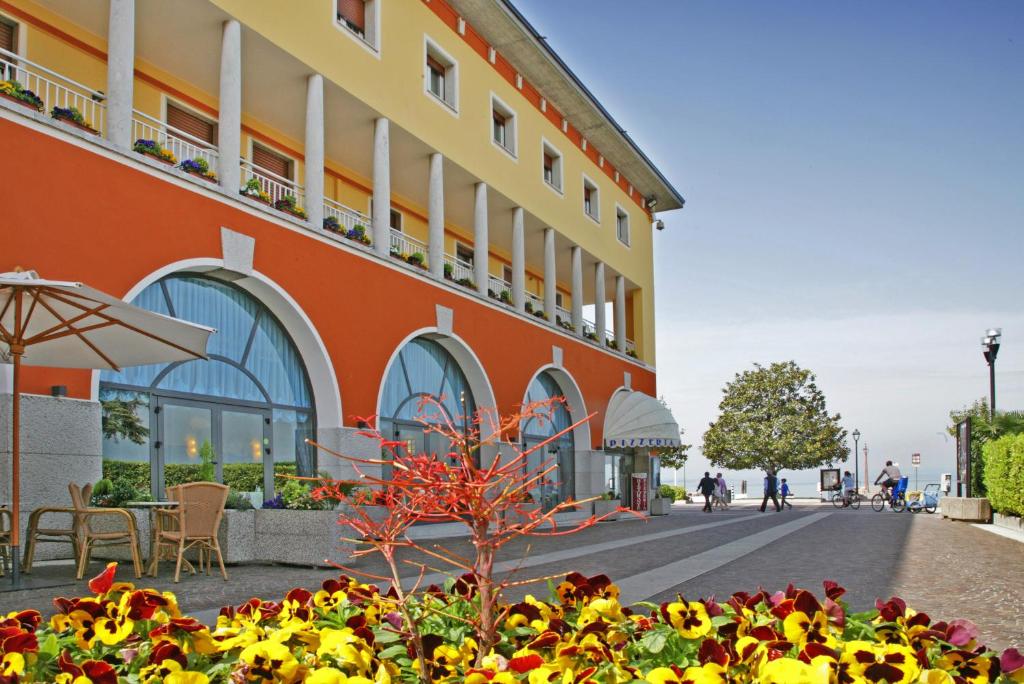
(635, 419)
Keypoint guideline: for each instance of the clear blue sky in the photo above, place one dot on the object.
(855, 196)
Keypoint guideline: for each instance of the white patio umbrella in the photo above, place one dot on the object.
(68, 325)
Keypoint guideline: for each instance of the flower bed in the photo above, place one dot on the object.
(348, 631)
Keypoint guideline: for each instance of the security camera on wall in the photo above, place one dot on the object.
(659, 224)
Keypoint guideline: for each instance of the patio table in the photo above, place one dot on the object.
(152, 506)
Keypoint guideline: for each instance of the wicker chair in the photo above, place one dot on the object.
(194, 523)
(5, 539)
(91, 539)
(63, 535)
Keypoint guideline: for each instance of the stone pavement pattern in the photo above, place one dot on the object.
(945, 569)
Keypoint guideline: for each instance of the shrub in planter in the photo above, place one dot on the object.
(332, 224)
(416, 259)
(238, 501)
(592, 336)
(540, 314)
(289, 205)
(505, 297)
(154, 149)
(74, 117)
(492, 294)
(1004, 473)
(198, 167)
(632, 354)
(611, 344)
(466, 282)
(12, 90)
(253, 190)
(564, 324)
(529, 306)
(449, 271)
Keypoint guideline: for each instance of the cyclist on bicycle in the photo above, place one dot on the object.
(849, 491)
(891, 476)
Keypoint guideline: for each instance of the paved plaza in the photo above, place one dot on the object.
(949, 570)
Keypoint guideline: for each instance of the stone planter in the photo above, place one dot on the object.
(661, 506)
(602, 507)
(1014, 523)
(962, 508)
(237, 536)
(298, 537)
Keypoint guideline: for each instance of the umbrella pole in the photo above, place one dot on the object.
(16, 351)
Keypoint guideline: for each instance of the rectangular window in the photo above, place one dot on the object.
(440, 74)
(271, 161)
(559, 300)
(503, 126)
(506, 273)
(352, 13)
(8, 32)
(396, 220)
(552, 166)
(591, 199)
(193, 124)
(464, 253)
(622, 226)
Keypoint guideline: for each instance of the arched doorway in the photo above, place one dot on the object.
(423, 368)
(560, 484)
(250, 403)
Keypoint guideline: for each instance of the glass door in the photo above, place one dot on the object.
(245, 445)
(184, 428)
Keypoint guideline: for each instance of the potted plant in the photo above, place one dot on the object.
(466, 282)
(492, 294)
(358, 234)
(540, 314)
(505, 297)
(252, 190)
(73, 117)
(416, 259)
(12, 90)
(449, 271)
(562, 323)
(332, 224)
(198, 167)
(612, 344)
(632, 354)
(155, 150)
(590, 335)
(289, 205)
(529, 306)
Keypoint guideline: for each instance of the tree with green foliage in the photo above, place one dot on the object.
(984, 429)
(774, 418)
(207, 468)
(121, 420)
(1004, 473)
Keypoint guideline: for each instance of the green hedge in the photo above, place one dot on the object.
(241, 477)
(1004, 474)
(671, 492)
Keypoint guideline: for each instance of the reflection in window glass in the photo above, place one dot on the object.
(291, 429)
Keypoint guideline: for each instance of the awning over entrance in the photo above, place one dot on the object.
(635, 419)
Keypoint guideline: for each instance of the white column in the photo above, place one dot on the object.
(315, 150)
(381, 219)
(435, 208)
(599, 302)
(620, 313)
(229, 123)
(480, 240)
(577, 289)
(518, 260)
(120, 71)
(549, 274)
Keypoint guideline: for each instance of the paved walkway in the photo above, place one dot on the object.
(946, 569)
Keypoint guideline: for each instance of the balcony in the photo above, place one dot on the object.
(46, 94)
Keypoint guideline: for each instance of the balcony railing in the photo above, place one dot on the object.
(347, 217)
(276, 187)
(564, 314)
(180, 143)
(536, 303)
(498, 286)
(55, 90)
(403, 246)
(459, 269)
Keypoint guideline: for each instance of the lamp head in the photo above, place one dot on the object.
(992, 336)
(856, 434)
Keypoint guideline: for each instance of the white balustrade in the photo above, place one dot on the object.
(535, 302)
(182, 145)
(497, 286)
(589, 329)
(564, 315)
(54, 89)
(276, 187)
(460, 270)
(347, 217)
(404, 246)
(630, 346)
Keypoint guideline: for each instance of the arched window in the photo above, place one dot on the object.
(559, 485)
(251, 401)
(423, 368)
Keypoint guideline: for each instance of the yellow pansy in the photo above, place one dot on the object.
(790, 671)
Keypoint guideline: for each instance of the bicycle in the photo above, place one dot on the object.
(841, 500)
(897, 500)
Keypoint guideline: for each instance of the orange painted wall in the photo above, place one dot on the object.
(72, 214)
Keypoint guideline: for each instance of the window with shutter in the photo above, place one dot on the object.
(506, 273)
(437, 74)
(190, 123)
(7, 34)
(549, 168)
(352, 13)
(500, 124)
(396, 220)
(271, 161)
(464, 253)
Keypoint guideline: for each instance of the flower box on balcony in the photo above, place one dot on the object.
(12, 90)
(289, 205)
(199, 168)
(152, 148)
(253, 191)
(417, 259)
(73, 117)
(331, 224)
(358, 234)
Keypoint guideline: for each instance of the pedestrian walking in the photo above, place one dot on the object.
(721, 498)
(771, 491)
(707, 488)
(785, 491)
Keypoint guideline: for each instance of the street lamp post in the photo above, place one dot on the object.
(856, 470)
(990, 345)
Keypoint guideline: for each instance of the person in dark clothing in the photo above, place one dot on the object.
(786, 492)
(771, 491)
(707, 487)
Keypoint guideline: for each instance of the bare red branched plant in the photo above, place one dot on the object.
(484, 481)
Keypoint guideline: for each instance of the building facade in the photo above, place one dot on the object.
(372, 201)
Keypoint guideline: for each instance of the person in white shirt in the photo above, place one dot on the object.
(891, 476)
(849, 491)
